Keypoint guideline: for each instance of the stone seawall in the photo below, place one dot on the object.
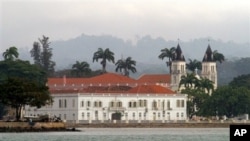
(32, 127)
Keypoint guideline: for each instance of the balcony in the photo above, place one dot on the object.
(117, 109)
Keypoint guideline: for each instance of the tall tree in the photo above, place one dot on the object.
(105, 55)
(167, 53)
(218, 57)
(196, 100)
(36, 53)
(80, 68)
(42, 54)
(193, 64)
(22, 84)
(205, 85)
(126, 65)
(189, 81)
(11, 53)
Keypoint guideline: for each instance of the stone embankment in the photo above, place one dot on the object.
(32, 127)
(157, 125)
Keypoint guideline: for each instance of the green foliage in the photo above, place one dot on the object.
(194, 64)
(126, 65)
(229, 101)
(2, 110)
(241, 81)
(22, 84)
(196, 100)
(168, 53)
(80, 69)
(42, 55)
(11, 53)
(105, 55)
(219, 57)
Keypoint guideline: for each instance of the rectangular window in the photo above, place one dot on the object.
(82, 104)
(65, 103)
(182, 103)
(60, 103)
(73, 103)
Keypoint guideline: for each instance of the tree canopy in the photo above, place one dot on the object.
(22, 83)
(11, 53)
(126, 65)
(168, 53)
(105, 55)
(42, 55)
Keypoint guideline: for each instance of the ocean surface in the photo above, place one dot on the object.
(124, 134)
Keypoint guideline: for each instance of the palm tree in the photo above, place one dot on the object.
(80, 68)
(11, 53)
(194, 64)
(126, 65)
(168, 53)
(105, 55)
(188, 81)
(205, 84)
(218, 56)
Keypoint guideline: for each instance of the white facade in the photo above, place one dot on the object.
(97, 107)
(178, 70)
(209, 71)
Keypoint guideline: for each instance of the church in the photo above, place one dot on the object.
(112, 97)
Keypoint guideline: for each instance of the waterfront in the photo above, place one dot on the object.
(124, 134)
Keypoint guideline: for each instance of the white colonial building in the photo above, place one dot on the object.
(92, 102)
(152, 97)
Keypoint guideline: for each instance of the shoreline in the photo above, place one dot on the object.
(17, 127)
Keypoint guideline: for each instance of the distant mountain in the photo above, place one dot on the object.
(144, 50)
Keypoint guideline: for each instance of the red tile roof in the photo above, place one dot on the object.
(154, 78)
(111, 83)
(151, 89)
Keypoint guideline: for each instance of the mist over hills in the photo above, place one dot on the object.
(144, 50)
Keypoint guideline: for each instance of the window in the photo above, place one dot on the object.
(65, 103)
(97, 104)
(62, 103)
(178, 103)
(119, 104)
(88, 104)
(182, 103)
(82, 103)
(177, 114)
(73, 103)
(112, 104)
(154, 105)
(145, 103)
(163, 104)
(168, 104)
(132, 104)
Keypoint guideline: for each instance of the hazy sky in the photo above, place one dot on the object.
(24, 21)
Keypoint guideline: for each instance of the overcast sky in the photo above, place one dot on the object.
(24, 21)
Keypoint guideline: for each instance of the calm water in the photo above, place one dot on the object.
(125, 134)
